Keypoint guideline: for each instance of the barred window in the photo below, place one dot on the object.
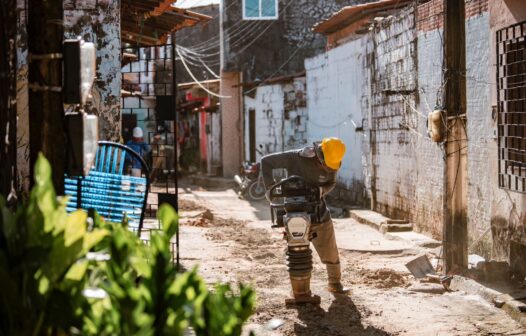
(511, 97)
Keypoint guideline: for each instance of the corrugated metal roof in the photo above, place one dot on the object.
(150, 22)
(350, 14)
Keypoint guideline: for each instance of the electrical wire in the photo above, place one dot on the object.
(277, 71)
(215, 17)
(201, 63)
(196, 80)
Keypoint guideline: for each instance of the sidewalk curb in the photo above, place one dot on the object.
(512, 307)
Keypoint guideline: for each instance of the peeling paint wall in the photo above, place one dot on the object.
(335, 87)
(98, 21)
(281, 117)
(22, 98)
(507, 208)
(480, 127)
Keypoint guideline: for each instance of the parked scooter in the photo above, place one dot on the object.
(250, 181)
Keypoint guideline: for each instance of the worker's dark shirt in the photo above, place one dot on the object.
(303, 163)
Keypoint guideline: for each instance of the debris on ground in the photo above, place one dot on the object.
(188, 205)
(382, 278)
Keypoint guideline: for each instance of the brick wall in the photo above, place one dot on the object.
(430, 14)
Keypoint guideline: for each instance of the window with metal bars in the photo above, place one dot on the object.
(511, 97)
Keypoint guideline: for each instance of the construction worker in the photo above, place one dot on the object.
(142, 148)
(318, 165)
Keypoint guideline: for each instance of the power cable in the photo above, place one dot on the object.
(275, 72)
(196, 80)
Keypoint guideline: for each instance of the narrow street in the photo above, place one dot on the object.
(238, 245)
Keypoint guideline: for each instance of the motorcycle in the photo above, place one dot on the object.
(250, 181)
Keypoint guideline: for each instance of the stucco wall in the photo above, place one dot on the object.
(480, 127)
(98, 21)
(508, 208)
(231, 122)
(334, 102)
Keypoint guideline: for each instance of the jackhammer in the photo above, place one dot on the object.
(295, 204)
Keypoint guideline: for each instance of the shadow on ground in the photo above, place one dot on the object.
(342, 318)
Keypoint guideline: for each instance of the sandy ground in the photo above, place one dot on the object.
(233, 242)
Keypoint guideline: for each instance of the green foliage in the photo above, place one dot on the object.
(41, 274)
(56, 277)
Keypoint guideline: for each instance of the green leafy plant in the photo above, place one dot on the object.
(146, 296)
(61, 276)
(41, 271)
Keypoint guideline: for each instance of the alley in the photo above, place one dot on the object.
(238, 245)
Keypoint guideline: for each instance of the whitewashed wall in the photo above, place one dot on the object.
(335, 87)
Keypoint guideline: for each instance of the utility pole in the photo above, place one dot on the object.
(455, 169)
(46, 112)
(8, 24)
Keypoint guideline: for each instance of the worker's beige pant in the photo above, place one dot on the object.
(325, 245)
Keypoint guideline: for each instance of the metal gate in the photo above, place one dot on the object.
(511, 96)
(148, 101)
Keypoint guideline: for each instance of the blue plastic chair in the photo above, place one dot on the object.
(108, 191)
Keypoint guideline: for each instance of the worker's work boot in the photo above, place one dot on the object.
(338, 288)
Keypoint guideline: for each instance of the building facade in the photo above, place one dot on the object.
(401, 55)
(261, 41)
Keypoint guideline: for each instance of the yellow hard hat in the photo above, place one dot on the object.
(333, 150)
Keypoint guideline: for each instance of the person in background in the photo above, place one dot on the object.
(142, 148)
(159, 155)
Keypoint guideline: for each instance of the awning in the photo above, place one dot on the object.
(351, 14)
(150, 22)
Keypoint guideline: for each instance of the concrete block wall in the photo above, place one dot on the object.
(334, 101)
(281, 116)
(268, 104)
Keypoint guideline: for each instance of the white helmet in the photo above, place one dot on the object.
(137, 132)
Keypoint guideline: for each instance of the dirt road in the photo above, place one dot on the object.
(238, 245)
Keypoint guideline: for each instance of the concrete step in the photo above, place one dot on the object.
(387, 227)
(393, 229)
(369, 217)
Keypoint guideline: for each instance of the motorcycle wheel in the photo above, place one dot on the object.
(256, 190)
